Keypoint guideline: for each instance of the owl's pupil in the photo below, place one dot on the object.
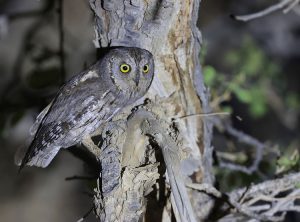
(124, 68)
(145, 68)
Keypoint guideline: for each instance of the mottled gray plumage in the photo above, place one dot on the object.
(89, 99)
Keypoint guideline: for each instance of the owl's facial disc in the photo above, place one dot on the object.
(131, 71)
(126, 69)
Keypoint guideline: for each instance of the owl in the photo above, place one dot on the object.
(88, 100)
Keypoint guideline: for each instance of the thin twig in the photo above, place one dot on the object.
(261, 217)
(271, 186)
(296, 9)
(204, 115)
(246, 139)
(86, 215)
(80, 178)
(251, 201)
(291, 6)
(261, 198)
(282, 4)
(207, 188)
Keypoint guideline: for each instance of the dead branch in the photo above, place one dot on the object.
(246, 139)
(122, 186)
(153, 127)
(266, 201)
(129, 168)
(285, 5)
(270, 199)
(168, 30)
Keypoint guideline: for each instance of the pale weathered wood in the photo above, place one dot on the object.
(167, 29)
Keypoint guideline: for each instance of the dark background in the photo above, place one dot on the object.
(256, 63)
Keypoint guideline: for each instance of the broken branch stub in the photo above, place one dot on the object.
(155, 128)
(128, 172)
(129, 168)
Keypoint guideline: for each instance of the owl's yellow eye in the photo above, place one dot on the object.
(145, 68)
(125, 68)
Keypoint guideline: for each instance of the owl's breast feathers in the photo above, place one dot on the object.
(78, 110)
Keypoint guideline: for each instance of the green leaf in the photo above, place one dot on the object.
(271, 70)
(293, 101)
(243, 95)
(284, 161)
(232, 58)
(227, 109)
(258, 107)
(254, 62)
(258, 110)
(209, 75)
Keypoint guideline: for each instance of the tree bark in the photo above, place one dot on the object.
(168, 30)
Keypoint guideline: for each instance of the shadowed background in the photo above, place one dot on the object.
(252, 67)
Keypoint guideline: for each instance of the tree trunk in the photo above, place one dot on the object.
(168, 30)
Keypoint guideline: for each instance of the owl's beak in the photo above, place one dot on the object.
(137, 79)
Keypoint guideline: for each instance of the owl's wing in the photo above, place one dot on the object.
(21, 151)
(33, 129)
(73, 109)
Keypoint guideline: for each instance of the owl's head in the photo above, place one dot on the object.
(130, 71)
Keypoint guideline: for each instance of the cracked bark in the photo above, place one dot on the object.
(129, 163)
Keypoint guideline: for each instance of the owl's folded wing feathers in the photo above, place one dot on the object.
(61, 123)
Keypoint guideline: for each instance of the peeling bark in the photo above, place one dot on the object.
(168, 30)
